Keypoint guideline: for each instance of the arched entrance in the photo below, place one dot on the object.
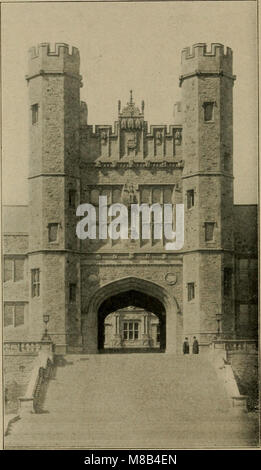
(132, 291)
(145, 303)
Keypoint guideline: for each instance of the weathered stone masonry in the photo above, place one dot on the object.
(189, 162)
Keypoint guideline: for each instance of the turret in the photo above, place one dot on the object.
(42, 60)
(54, 187)
(199, 59)
(207, 83)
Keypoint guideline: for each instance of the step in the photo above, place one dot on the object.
(138, 399)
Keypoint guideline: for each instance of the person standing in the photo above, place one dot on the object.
(195, 346)
(186, 346)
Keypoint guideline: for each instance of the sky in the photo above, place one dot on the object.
(127, 46)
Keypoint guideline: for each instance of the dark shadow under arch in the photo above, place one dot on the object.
(135, 298)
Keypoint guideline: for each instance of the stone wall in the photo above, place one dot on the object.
(17, 370)
(245, 368)
(69, 155)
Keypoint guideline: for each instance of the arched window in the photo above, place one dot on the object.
(145, 196)
(167, 196)
(95, 197)
(156, 196)
(116, 195)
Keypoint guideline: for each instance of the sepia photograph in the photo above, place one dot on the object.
(130, 225)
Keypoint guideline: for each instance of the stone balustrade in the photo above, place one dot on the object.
(26, 347)
(29, 403)
(223, 353)
(237, 345)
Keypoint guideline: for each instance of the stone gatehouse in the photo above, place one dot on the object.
(208, 287)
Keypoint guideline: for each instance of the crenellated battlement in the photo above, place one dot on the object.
(201, 49)
(59, 49)
(201, 58)
(57, 59)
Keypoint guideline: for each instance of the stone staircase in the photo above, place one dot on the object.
(134, 401)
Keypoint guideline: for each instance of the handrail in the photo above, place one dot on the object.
(29, 401)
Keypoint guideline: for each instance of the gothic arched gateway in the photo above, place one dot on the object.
(146, 304)
(138, 292)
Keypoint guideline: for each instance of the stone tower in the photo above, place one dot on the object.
(207, 83)
(78, 283)
(54, 270)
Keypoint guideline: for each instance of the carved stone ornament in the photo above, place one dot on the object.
(131, 123)
(104, 137)
(158, 136)
(117, 341)
(129, 194)
(178, 136)
(132, 308)
(131, 117)
(93, 278)
(123, 123)
(132, 142)
(171, 279)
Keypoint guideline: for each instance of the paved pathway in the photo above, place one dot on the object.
(134, 401)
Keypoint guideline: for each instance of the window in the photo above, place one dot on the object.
(167, 195)
(253, 315)
(243, 314)
(18, 269)
(253, 270)
(116, 195)
(253, 264)
(253, 279)
(191, 291)
(19, 315)
(156, 196)
(95, 197)
(190, 198)
(13, 269)
(35, 108)
(72, 198)
(158, 333)
(130, 330)
(8, 269)
(145, 196)
(226, 161)
(209, 231)
(227, 281)
(247, 318)
(243, 269)
(35, 282)
(52, 232)
(13, 314)
(107, 193)
(72, 292)
(8, 315)
(208, 111)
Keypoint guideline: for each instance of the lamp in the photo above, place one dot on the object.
(45, 336)
(218, 318)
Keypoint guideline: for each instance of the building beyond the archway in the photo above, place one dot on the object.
(131, 328)
(207, 287)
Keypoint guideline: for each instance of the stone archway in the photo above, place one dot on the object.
(134, 298)
(90, 321)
